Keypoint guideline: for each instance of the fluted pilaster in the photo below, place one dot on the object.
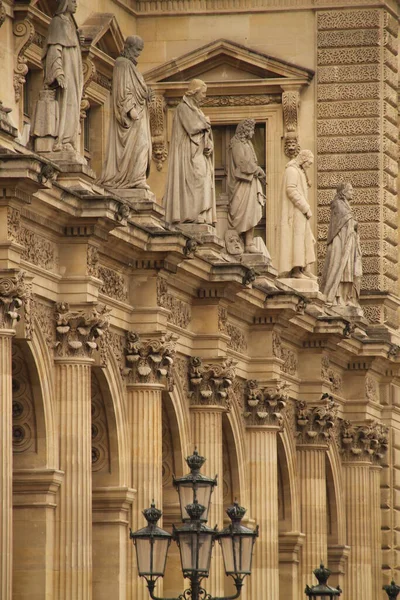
(145, 431)
(74, 519)
(5, 464)
(207, 437)
(263, 475)
(358, 580)
(312, 478)
(375, 519)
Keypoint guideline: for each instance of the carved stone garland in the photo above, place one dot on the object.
(79, 331)
(157, 126)
(315, 424)
(264, 406)
(210, 384)
(13, 291)
(290, 105)
(149, 360)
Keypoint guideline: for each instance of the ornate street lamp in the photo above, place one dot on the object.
(323, 591)
(392, 590)
(195, 540)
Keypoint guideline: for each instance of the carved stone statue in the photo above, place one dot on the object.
(343, 268)
(295, 235)
(128, 156)
(246, 196)
(57, 116)
(190, 193)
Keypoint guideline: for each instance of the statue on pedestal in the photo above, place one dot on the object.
(246, 196)
(127, 163)
(57, 117)
(190, 193)
(295, 236)
(343, 266)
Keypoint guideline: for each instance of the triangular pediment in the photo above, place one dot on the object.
(226, 60)
(101, 31)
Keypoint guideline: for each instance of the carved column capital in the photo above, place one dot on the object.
(149, 360)
(210, 383)
(315, 424)
(14, 290)
(78, 332)
(265, 405)
(368, 442)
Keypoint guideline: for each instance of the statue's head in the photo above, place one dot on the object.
(197, 90)
(292, 146)
(66, 6)
(245, 129)
(133, 46)
(305, 159)
(345, 190)
(233, 243)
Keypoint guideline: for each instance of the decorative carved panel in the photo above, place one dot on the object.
(100, 437)
(23, 407)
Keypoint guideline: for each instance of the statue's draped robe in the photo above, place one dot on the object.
(343, 263)
(295, 236)
(190, 194)
(128, 156)
(62, 56)
(246, 197)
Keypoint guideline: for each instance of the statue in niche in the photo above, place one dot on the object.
(57, 116)
(292, 146)
(296, 238)
(128, 156)
(190, 193)
(245, 177)
(342, 271)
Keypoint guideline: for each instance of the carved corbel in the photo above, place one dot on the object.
(89, 72)
(291, 106)
(149, 360)
(210, 384)
(14, 290)
(78, 332)
(265, 406)
(157, 126)
(315, 424)
(23, 32)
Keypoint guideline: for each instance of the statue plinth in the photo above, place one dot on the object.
(145, 210)
(302, 285)
(211, 245)
(349, 312)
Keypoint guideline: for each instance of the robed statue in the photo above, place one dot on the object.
(58, 110)
(296, 239)
(128, 155)
(190, 193)
(342, 271)
(245, 191)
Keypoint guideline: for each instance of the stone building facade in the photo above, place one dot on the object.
(125, 343)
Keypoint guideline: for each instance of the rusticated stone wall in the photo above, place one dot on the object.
(357, 79)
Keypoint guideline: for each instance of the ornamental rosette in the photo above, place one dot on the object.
(79, 332)
(13, 292)
(315, 425)
(265, 405)
(149, 360)
(210, 383)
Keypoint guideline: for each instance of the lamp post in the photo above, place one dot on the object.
(392, 590)
(323, 591)
(195, 540)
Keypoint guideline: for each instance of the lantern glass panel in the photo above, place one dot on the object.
(237, 552)
(151, 556)
(195, 548)
(188, 492)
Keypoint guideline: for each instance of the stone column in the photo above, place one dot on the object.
(12, 292)
(361, 445)
(76, 332)
(209, 384)
(314, 427)
(148, 363)
(264, 419)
